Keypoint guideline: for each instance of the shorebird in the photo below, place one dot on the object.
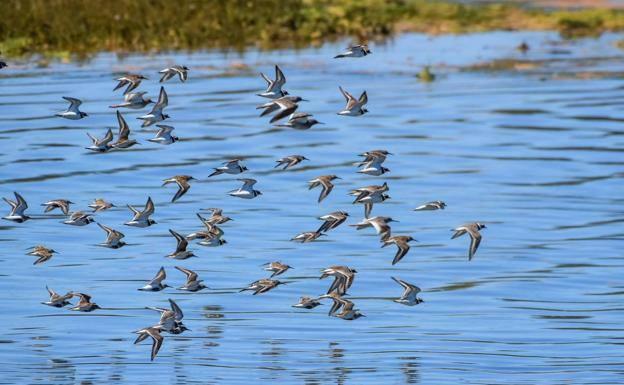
(156, 283)
(337, 302)
(163, 136)
(402, 243)
(169, 72)
(410, 293)
(17, 209)
(374, 155)
(72, 112)
(131, 80)
(355, 51)
(209, 237)
(276, 268)
(429, 206)
(142, 218)
(156, 114)
(170, 319)
(57, 300)
(373, 161)
(369, 195)
(380, 224)
(307, 303)
(180, 251)
(101, 145)
(290, 161)
(100, 204)
(282, 107)
(274, 87)
(113, 238)
(300, 121)
(85, 303)
(354, 107)
(343, 278)
(231, 166)
(134, 100)
(325, 181)
(217, 217)
(306, 237)
(332, 220)
(62, 204)
(123, 140)
(193, 283)
(79, 218)
(262, 286)
(246, 191)
(154, 333)
(183, 185)
(348, 312)
(475, 236)
(42, 253)
(212, 222)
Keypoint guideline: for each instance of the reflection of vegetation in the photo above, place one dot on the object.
(61, 26)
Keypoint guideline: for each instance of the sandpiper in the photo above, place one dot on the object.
(101, 145)
(134, 100)
(300, 121)
(276, 268)
(156, 283)
(306, 237)
(354, 107)
(180, 251)
(62, 204)
(348, 311)
(307, 303)
(212, 222)
(379, 223)
(337, 302)
(410, 293)
(142, 218)
(156, 114)
(100, 204)
(217, 217)
(123, 140)
(231, 166)
(402, 243)
(17, 209)
(282, 107)
(262, 286)
(429, 206)
(72, 112)
(475, 236)
(131, 80)
(332, 220)
(274, 87)
(193, 283)
(113, 238)
(343, 278)
(79, 218)
(246, 191)
(373, 163)
(170, 319)
(210, 237)
(154, 333)
(290, 161)
(169, 72)
(325, 181)
(85, 303)
(183, 185)
(369, 195)
(42, 253)
(359, 50)
(57, 300)
(163, 136)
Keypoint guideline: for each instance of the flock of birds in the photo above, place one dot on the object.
(282, 105)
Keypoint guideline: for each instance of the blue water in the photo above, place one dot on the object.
(534, 151)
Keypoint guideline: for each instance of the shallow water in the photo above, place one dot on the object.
(533, 152)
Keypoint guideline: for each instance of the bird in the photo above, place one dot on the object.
(300, 121)
(475, 236)
(134, 100)
(154, 333)
(100, 204)
(113, 238)
(62, 204)
(123, 140)
(307, 303)
(429, 206)
(193, 283)
(131, 80)
(217, 217)
(101, 145)
(18, 206)
(170, 319)
(354, 107)
(355, 51)
(276, 268)
(306, 237)
(348, 311)
(180, 251)
(337, 302)
(3, 64)
(290, 161)
(325, 182)
(379, 223)
(369, 195)
(343, 278)
(246, 191)
(231, 166)
(163, 136)
(523, 47)
(156, 283)
(274, 87)
(169, 72)
(410, 293)
(209, 237)
(79, 218)
(156, 114)
(402, 243)
(142, 218)
(282, 107)
(374, 155)
(85, 303)
(214, 220)
(42, 253)
(332, 220)
(72, 112)
(262, 286)
(372, 163)
(183, 185)
(57, 300)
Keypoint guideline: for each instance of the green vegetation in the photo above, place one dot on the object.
(59, 28)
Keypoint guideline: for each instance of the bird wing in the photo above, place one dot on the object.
(475, 240)
(182, 242)
(280, 79)
(176, 310)
(327, 188)
(190, 274)
(159, 277)
(403, 249)
(286, 108)
(124, 129)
